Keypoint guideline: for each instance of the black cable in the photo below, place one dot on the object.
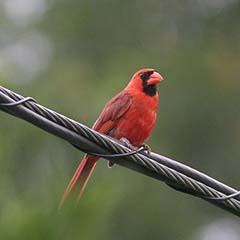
(177, 175)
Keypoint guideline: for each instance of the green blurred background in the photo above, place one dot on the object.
(73, 56)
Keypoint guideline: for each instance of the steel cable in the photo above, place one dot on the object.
(176, 175)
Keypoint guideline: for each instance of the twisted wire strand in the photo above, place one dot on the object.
(138, 161)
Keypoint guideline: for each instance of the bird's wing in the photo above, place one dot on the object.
(112, 112)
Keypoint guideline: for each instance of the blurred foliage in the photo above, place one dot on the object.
(73, 56)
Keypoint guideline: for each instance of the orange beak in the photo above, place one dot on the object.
(155, 78)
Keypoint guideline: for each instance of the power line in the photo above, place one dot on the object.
(175, 174)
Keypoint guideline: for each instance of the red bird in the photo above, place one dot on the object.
(131, 114)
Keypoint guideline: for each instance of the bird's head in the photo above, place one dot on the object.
(146, 80)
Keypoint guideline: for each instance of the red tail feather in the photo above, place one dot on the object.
(80, 177)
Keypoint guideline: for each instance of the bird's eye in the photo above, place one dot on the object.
(145, 76)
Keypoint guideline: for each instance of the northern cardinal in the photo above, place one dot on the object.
(131, 115)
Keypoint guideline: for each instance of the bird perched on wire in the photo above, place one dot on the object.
(130, 115)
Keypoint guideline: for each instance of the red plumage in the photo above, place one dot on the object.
(131, 114)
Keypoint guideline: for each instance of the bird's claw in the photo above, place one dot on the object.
(146, 148)
(110, 164)
(127, 143)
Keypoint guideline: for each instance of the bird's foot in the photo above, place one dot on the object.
(146, 148)
(110, 164)
(127, 143)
